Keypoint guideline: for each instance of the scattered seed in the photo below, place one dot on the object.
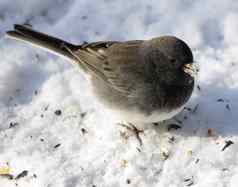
(22, 174)
(197, 160)
(57, 145)
(128, 181)
(225, 169)
(190, 184)
(228, 143)
(83, 114)
(190, 152)
(228, 107)
(188, 109)
(174, 126)
(58, 112)
(46, 108)
(84, 131)
(84, 17)
(165, 156)
(186, 180)
(13, 124)
(198, 87)
(189, 181)
(124, 163)
(220, 100)
(195, 109)
(171, 139)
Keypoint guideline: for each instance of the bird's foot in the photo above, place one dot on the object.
(134, 130)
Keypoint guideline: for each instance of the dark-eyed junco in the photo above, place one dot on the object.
(142, 80)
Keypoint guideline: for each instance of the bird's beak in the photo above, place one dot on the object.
(191, 69)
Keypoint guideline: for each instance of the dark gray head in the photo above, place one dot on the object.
(171, 59)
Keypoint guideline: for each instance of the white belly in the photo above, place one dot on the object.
(134, 116)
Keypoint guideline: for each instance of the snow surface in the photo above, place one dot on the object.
(92, 150)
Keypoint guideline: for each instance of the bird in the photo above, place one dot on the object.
(144, 81)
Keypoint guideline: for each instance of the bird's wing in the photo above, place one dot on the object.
(114, 62)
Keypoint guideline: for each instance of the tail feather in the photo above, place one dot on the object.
(55, 45)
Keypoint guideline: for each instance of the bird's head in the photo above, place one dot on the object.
(172, 61)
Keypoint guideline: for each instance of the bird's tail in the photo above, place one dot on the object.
(55, 45)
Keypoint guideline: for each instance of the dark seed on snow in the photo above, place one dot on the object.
(220, 100)
(195, 109)
(174, 126)
(188, 109)
(57, 145)
(171, 139)
(189, 181)
(198, 87)
(228, 143)
(13, 124)
(190, 184)
(225, 169)
(84, 131)
(58, 112)
(83, 114)
(22, 174)
(84, 17)
(228, 107)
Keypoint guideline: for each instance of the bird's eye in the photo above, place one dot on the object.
(172, 60)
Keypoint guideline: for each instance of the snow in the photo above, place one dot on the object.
(83, 146)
